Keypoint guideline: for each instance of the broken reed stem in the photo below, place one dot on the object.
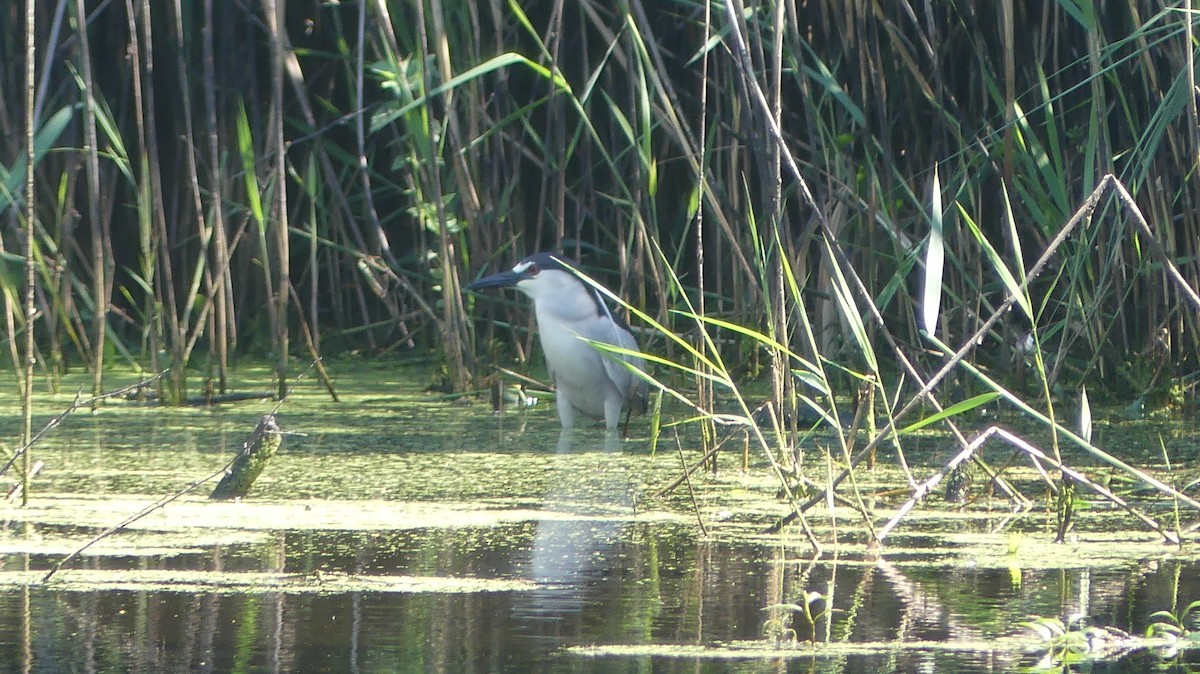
(311, 344)
(697, 465)
(688, 480)
(172, 497)
(1083, 212)
(79, 401)
(736, 9)
(1036, 455)
(137, 516)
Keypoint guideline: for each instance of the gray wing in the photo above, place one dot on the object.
(633, 386)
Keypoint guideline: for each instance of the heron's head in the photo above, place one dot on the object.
(541, 276)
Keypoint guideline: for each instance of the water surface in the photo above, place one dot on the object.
(405, 532)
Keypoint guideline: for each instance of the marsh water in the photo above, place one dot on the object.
(403, 531)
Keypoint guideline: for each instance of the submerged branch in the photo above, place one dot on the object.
(135, 517)
(172, 497)
(79, 401)
(1037, 455)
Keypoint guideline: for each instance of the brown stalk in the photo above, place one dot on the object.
(147, 232)
(224, 323)
(704, 386)
(754, 93)
(379, 243)
(364, 172)
(275, 15)
(453, 320)
(30, 276)
(166, 277)
(205, 322)
(1036, 455)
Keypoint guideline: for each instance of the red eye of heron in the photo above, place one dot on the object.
(532, 269)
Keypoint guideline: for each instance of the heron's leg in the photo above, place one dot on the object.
(612, 409)
(566, 411)
(566, 440)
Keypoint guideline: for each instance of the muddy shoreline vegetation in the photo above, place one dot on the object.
(909, 273)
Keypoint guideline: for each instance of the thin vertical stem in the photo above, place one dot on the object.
(704, 385)
(223, 304)
(275, 22)
(281, 194)
(146, 231)
(166, 279)
(453, 323)
(100, 260)
(30, 278)
(360, 134)
(204, 318)
(779, 328)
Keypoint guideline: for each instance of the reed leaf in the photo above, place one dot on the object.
(935, 259)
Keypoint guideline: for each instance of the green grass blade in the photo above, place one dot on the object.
(953, 410)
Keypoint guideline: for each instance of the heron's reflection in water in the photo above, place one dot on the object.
(584, 517)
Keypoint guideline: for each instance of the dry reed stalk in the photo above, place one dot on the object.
(275, 12)
(30, 238)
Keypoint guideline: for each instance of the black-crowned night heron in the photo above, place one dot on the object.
(569, 313)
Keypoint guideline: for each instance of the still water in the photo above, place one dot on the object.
(406, 533)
